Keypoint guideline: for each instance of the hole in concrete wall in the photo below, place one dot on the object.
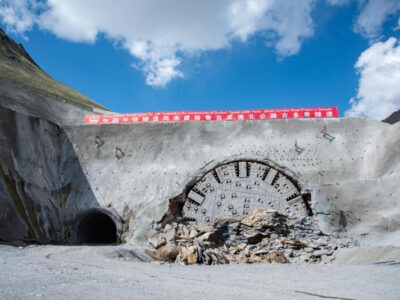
(307, 202)
(174, 213)
(97, 228)
(235, 189)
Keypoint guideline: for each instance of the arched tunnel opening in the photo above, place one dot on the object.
(237, 188)
(97, 228)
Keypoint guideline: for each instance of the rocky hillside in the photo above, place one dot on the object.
(42, 185)
(17, 65)
(393, 118)
(41, 181)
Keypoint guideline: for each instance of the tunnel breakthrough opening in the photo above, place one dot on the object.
(97, 228)
(241, 211)
(237, 188)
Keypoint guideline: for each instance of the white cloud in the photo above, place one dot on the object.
(161, 71)
(69, 20)
(373, 15)
(245, 16)
(292, 22)
(339, 2)
(158, 33)
(287, 22)
(379, 83)
(17, 15)
(398, 25)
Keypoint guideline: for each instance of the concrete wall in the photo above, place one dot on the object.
(55, 170)
(140, 167)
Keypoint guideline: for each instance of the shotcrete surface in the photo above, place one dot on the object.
(354, 178)
(59, 272)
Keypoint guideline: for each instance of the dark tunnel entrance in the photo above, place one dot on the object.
(97, 228)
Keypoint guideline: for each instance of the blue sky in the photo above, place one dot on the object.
(241, 66)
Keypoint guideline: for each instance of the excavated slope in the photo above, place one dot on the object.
(17, 66)
(42, 186)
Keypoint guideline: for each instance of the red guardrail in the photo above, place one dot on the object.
(179, 116)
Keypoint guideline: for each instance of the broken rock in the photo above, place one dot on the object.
(262, 236)
(157, 242)
(168, 252)
(277, 257)
(208, 237)
(191, 258)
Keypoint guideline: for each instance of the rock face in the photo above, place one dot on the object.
(393, 118)
(12, 49)
(43, 191)
(262, 236)
(42, 186)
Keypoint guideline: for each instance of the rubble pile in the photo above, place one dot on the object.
(262, 236)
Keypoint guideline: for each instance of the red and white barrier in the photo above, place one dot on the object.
(181, 116)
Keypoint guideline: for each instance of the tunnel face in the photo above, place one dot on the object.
(237, 188)
(97, 228)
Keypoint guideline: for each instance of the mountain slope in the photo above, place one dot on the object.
(393, 118)
(16, 65)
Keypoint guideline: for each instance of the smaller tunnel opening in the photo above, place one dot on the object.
(97, 228)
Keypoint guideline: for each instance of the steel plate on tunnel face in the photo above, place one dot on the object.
(237, 188)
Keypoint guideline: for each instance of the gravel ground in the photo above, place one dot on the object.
(84, 272)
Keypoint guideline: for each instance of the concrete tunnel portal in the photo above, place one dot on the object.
(230, 189)
(96, 227)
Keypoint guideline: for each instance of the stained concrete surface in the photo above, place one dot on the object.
(82, 272)
(353, 179)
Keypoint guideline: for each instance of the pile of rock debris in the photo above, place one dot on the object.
(262, 236)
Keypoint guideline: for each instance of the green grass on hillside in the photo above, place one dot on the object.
(21, 70)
